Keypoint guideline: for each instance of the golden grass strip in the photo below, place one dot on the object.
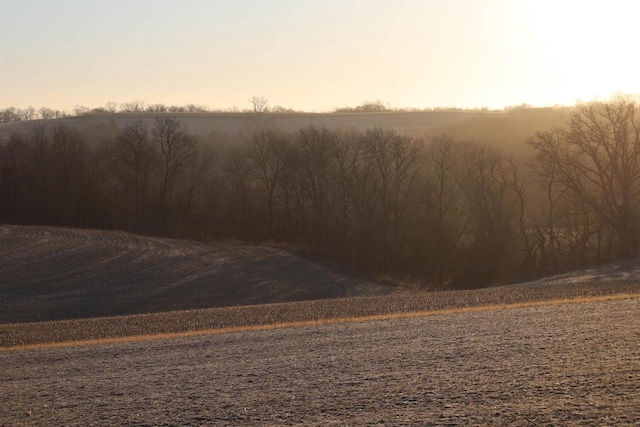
(318, 322)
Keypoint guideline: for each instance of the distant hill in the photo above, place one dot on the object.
(230, 123)
(49, 273)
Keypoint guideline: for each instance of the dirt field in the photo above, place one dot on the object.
(49, 273)
(552, 365)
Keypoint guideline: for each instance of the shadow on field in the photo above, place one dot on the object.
(51, 273)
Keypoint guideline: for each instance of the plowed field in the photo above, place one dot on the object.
(49, 273)
(569, 364)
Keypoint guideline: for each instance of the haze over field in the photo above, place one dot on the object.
(319, 212)
(385, 180)
(314, 55)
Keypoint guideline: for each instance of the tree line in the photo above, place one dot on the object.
(259, 104)
(13, 114)
(438, 210)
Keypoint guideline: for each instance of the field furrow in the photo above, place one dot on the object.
(49, 273)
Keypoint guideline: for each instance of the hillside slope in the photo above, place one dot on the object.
(230, 123)
(49, 273)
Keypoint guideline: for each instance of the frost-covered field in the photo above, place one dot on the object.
(568, 364)
(554, 352)
(628, 270)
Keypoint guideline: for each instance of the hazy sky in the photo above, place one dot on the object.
(316, 55)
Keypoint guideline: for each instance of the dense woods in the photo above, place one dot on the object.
(436, 209)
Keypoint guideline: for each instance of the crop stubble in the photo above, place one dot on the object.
(548, 365)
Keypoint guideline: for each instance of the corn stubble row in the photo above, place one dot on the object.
(304, 311)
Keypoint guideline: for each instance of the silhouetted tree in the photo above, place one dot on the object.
(135, 106)
(40, 174)
(366, 107)
(46, 113)
(598, 157)
(395, 160)
(80, 110)
(68, 151)
(136, 157)
(259, 104)
(111, 107)
(238, 176)
(176, 150)
(491, 236)
(14, 164)
(198, 186)
(449, 216)
(267, 154)
(315, 164)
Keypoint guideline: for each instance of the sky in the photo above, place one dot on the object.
(317, 55)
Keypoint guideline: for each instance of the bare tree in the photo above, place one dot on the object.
(546, 234)
(361, 182)
(46, 113)
(80, 110)
(196, 108)
(40, 174)
(366, 107)
(238, 172)
(315, 164)
(260, 104)
(157, 108)
(198, 173)
(395, 158)
(136, 154)
(491, 235)
(29, 113)
(598, 158)
(267, 153)
(519, 183)
(8, 114)
(135, 106)
(347, 157)
(111, 107)
(450, 216)
(58, 114)
(13, 177)
(177, 147)
(68, 151)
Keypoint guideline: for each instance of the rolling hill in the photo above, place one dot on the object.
(49, 273)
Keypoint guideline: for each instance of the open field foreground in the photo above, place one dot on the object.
(49, 273)
(547, 365)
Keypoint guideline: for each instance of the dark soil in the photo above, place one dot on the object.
(575, 364)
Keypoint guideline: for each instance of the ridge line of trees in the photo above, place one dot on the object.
(258, 105)
(442, 211)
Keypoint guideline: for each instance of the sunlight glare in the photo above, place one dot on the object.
(588, 45)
